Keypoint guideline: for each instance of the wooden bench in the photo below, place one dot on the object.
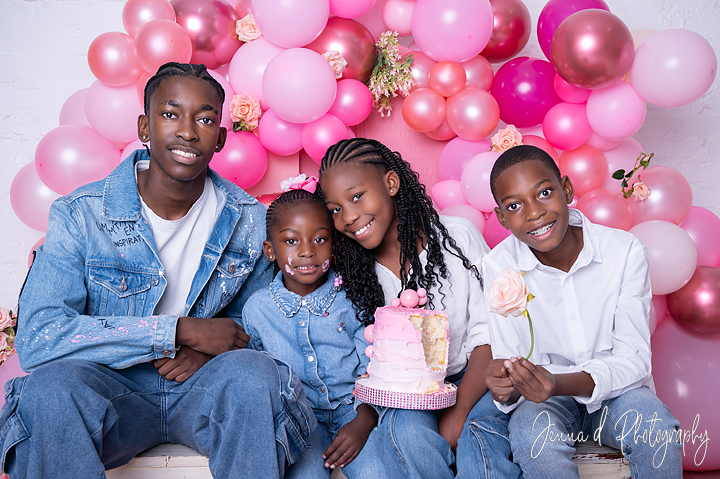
(173, 461)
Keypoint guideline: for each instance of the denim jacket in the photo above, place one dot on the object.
(94, 285)
(318, 335)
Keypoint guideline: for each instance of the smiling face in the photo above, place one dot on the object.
(301, 242)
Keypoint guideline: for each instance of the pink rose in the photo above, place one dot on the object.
(245, 109)
(3, 341)
(246, 28)
(4, 355)
(640, 191)
(6, 319)
(336, 61)
(508, 293)
(505, 139)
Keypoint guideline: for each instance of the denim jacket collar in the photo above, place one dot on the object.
(317, 302)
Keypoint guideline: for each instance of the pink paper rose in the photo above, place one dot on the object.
(336, 61)
(505, 139)
(508, 293)
(246, 28)
(245, 109)
(6, 319)
(640, 191)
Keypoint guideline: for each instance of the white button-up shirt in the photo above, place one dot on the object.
(594, 318)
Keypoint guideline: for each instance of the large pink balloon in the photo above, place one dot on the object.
(321, 134)
(478, 73)
(353, 102)
(247, 68)
(299, 85)
(570, 93)
(673, 68)
(397, 16)
(161, 41)
(73, 155)
(455, 154)
(350, 8)
(682, 365)
(446, 193)
(616, 112)
(555, 12)
(420, 68)
(606, 208)
(279, 136)
(424, 109)
(565, 126)
(454, 30)
(494, 232)
(671, 254)
(511, 30)
(540, 142)
(243, 160)
(113, 111)
(73, 110)
(291, 23)
(621, 157)
(137, 13)
(30, 198)
(475, 181)
(130, 148)
(468, 212)
(670, 196)
(586, 167)
(447, 78)
(525, 91)
(696, 306)
(10, 369)
(111, 58)
(703, 226)
(472, 113)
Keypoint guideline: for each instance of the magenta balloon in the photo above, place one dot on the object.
(353, 102)
(321, 134)
(243, 160)
(73, 155)
(703, 226)
(472, 113)
(494, 232)
(540, 142)
(424, 109)
(248, 66)
(137, 13)
(161, 41)
(279, 136)
(30, 198)
(113, 111)
(525, 91)
(616, 112)
(468, 212)
(511, 30)
(455, 30)
(565, 126)
(455, 154)
(602, 144)
(475, 181)
(442, 132)
(606, 208)
(696, 306)
(73, 110)
(570, 93)
(397, 16)
(555, 12)
(682, 364)
(299, 85)
(621, 157)
(420, 68)
(447, 78)
(291, 23)
(354, 42)
(586, 167)
(670, 196)
(478, 73)
(111, 58)
(446, 193)
(350, 8)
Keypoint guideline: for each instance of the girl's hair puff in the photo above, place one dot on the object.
(415, 214)
(174, 69)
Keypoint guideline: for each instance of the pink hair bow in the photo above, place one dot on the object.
(300, 182)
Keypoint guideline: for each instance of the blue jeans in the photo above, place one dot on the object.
(623, 422)
(73, 418)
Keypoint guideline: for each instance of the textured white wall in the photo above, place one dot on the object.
(43, 60)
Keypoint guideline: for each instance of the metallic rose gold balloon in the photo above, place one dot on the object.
(137, 13)
(354, 42)
(511, 30)
(592, 49)
(447, 78)
(696, 306)
(211, 25)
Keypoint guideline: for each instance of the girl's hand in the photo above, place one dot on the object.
(498, 381)
(534, 382)
(186, 362)
(351, 438)
(451, 424)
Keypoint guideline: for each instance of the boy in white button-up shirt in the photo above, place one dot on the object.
(589, 374)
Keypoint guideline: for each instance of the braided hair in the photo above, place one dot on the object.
(173, 69)
(416, 216)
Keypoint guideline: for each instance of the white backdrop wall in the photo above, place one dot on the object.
(43, 60)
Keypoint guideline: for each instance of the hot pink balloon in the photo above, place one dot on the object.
(671, 254)
(350, 8)
(540, 142)
(321, 134)
(446, 193)
(113, 111)
(226, 120)
(131, 147)
(570, 93)
(478, 73)
(616, 112)
(468, 212)
(447, 78)
(472, 113)
(73, 110)
(111, 58)
(673, 68)
(455, 30)
(353, 102)
(525, 91)
(586, 167)
(211, 26)
(424, 109)
(420, 68)
(279, 136)
(494, 232)
(442, 132)
(247, 68)
(137, 13)
(475, 181)
(696, 306)
(670, 196)
(161, 41)
(622, 157)
(299, 85)
(455, 154)
(565, 126)
(73, 155)
(243, 160)
(555, 12)
(703, 226)
(30, 198)
(397, 16)
(291, 23)
(511, 30)
(606, 208)
(602, 144)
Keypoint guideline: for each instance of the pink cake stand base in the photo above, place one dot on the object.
(381, 397)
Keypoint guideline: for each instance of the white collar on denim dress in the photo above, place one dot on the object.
(317, 302)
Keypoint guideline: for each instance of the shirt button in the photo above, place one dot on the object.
(322, 390)
(155, 281)
(231, 268)
(311, 359)
(302, 324)
(303, 302)
(167, 352)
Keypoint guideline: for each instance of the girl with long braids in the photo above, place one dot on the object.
(389, 238)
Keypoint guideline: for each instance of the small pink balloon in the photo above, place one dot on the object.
(566, 126)
(447, 78)
(291, 23)
(570, 93)
(622, 157)
(226, 120)
(367, 333)
(397, 16)
(696, 306)
(424, 109)
(455, 154)
(113, 111)
(660, 303)
(130, 149)
(606, 208)
(466, 211)
(111, 58)
(247, 68)
(602, 144)
(540, 142)
(409, 298)
(369, 351)
(353, 102)
(555, 12)
(422, 293)
(478, 73)
(446, 193)
(472, 113)
(703, 226)
(494, 232)
(670, 196)
(73, 110)
(616, 112)
(31, 255)
(137, 13)
(511, 30)
(395, 303)
(350, 8)
(243, 160)
(30, 198)
(442, 132)
(420, 69)
(321, 134)
(279, 136)
(475, 181)
(586, 167)
(161, 41)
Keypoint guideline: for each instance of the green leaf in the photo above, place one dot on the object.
(627, 194)
(624, 184)
(618, 175)
(644, 163)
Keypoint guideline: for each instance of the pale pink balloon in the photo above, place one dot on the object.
(570, 93)
(606, 208)
(703, 226)
(353, 102)
(30, 198)
(113, 111)
(478, 73)
(615, 112)
(473, 113)
(161, 41)
(602, 144)
(31, 256)
(494, 232)
(442, 132)
(248, 66)
(131, 147)
(420, 68)
(447, 78)
(321, 134)
(639, 36)
(291, 23)
(455, 154)
(73, 110)
(279, 136)
(141, 84)
(468, 212)
(671, 254)
(424, 109)
(653, 319)
(73, 155)
(475, 181)
(350, 8)
(137, 13)
(586, 167)
(542, 143)
(566, 126)
(622, 157)
(111, 58)
(243, 160)
(226, 120)
(670, 196)
(446, 193)
(397, 16)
